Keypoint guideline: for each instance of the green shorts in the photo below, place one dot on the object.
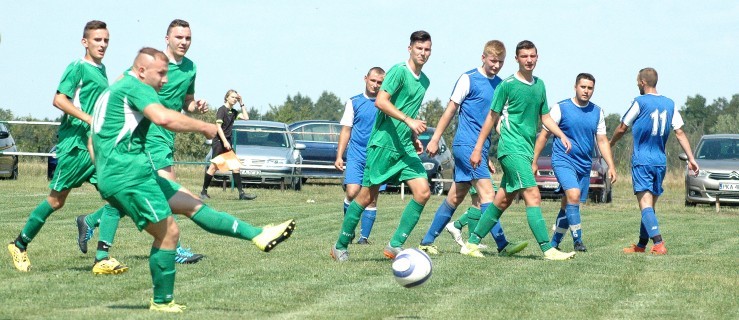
(389, 166)
(147, 202)
(73, 168)
(160, 152)
(517, 173)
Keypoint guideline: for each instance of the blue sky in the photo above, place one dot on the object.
(270, 49)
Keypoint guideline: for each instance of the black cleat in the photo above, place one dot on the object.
(580, 247)
(247, 196)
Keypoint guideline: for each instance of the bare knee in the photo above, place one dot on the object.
(57, 199)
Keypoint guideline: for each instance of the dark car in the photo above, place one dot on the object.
(8, 163)
(718, 178)
(600, 185)
(439, 167)
(321, 140)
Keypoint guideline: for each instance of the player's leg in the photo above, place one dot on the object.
(207, 180)
(647, 181)
(412, 212)
(561, 225)
(367, 222)
(162, 264)
(365, 197)
(353, 176)
(486, 195)
(443, 215)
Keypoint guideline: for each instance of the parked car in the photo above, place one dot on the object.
(8, 163)
(51, 164)
(262, 146)
(438, 167)
(718, 178)
(600, 185)
(321, 140)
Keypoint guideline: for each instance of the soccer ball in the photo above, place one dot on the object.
(411, 267)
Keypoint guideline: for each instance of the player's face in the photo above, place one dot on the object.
(373, 82)
(492, 64)
(95, 44)
(640, 85)
(232, 98)
(526, 59)
(178, 41)
(583, 91)
(420, 52)
(155, 74)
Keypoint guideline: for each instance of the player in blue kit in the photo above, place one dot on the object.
(359, 117)
(583, 122)
(648, 117)
(472, 96)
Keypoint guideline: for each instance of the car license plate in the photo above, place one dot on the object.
(251, 172)
(728, 186)
(550, 185)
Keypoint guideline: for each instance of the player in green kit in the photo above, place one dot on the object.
(123, 116)
(521, 101)
(83, 81)
(392, 151)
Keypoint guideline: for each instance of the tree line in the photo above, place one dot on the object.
(700, 117)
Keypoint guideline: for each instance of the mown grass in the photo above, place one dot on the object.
(699, 277)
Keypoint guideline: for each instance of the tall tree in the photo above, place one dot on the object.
(298, 107)
(328, 107)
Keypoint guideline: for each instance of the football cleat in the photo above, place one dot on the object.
(554, 254)
(580, 247)
(390, 252)
(204, 195)
(166, 307)
(472, 250)
(363, 240)
(109, 266)
(633, 248)
(456, 233)
(512, 248)
(20, 258)
(246, 196)
(84, 233)
(658, 249)
(185, 256)
(271, 235)
(430, 249)
(339, 255)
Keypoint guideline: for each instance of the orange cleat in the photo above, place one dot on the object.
(658, 249)
(633, 248)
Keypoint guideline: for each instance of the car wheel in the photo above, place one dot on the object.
(437, 187)
(14, 175)
(609, 196)
(304, 179)
(297, 183)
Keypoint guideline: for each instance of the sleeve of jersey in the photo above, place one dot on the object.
(500, 97)
(347, 119)
(677, 120)
(631, 114)
(70, 79)
(221, 114)
(393, 80)
(144, 96)
(461, 89)
(191, 88)
(545, 104)
(601, 130)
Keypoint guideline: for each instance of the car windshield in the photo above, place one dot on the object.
(718, 149)
(260, 136)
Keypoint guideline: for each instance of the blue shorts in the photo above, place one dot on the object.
(463, 171)
(569, 178)
(648, 178)
(354, 173)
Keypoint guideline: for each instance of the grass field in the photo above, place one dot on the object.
(699, 278)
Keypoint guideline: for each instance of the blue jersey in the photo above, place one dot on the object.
(360, 114)
(648, 117)
(580, 125)
(474, 94)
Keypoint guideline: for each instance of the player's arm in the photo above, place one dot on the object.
(451, 109)
(178, 122)
(553, 128)
(383, 103)
(490, 121)
(62, 102)
(541, 141)
(244, 115)
(195, 106)
(346, 133)
(605, 151)
(620, 131)
(682, 139)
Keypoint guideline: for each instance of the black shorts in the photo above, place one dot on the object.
(218, 148)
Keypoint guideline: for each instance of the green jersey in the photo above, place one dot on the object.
(406, 93)
(83, 81)
(119, 132)
(180, 83)
(521, 105)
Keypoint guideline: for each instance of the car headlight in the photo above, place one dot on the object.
(703, 173)
(276, 161)
(428, 165)
(594, 174)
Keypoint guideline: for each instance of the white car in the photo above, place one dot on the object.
(718, 178)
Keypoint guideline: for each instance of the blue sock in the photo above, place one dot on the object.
(441, 218)
(649, 220)
(346, 205)
(573, 219)
(368, 220)
(561, 227)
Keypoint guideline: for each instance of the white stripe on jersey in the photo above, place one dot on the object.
(347, 119)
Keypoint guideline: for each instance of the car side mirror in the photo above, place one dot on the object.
(4, 134)
(683, 156)
(300, 146)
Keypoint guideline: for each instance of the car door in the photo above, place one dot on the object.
(321, 145)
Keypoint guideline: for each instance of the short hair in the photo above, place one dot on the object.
(525, 44)
(494, 47)
(378, 70)
(228, 93)
(649, 75)
(585, 76)
(420, 36)
(154, 53)
(177, 23)
(93, 25)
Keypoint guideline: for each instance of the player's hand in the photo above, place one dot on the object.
(432, 148)
(339, 164)
(417, 126)
(612, 175)
(535, 168)
(476, 158)
(201, 106)
(418, 145)
(238, 98)
(693, 166)
(566, 143)
(491, 167)
(227, 145)
(210, 131)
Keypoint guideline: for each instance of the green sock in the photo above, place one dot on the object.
(93, 219)
(161, 264)
(108, 226)
(408, 221)
(34, 223)
(473, 218)
(463, 220)
(351, 220)
(538, 227)
(488, 219)
(224, 224)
